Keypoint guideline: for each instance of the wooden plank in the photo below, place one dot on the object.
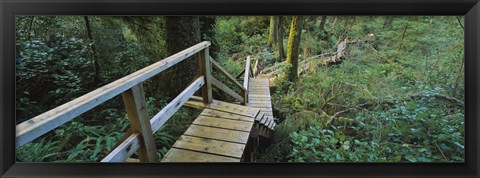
(263, 87)
(41, 124)
(223, 123)
(259, 84)
(226, 89)
(254, 92)
(259, 116)
(260, 105)
(124, 150)
(195, 102)
(210, 146)
(260, 96)
(180, 155)
(269, 114)
(269, 120)
(217, 66)
(161, 117)
(270, 125)
(226, 115)
(259, 81)
(265, 101)
(218, 134)
(264, 119)
(265, 109)
(260, 102)
(136, 107)
(259, 99)
(205, 70)
(132, 160)
(253, 89)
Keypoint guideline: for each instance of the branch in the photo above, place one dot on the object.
(459, 22)
(449, 98)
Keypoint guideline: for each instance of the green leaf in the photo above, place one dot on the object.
(411, 158)
(422, 150)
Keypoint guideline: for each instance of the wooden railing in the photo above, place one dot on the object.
(140, 135)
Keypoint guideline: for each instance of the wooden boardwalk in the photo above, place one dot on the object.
(219, 134)
(259, 97)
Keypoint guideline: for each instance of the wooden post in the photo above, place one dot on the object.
(243, 93)
(206, 71)
(134, 100)
(245, 79)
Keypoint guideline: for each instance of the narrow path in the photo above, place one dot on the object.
(259, 97)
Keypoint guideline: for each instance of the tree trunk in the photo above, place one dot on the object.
(280, 39)
(207, 32)
(182, 32)
(388, 22)
(293, 47)
(273, 30)
(96, 65)
(29, 32)
(322, 24)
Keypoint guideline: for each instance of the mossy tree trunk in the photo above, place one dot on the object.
(293, 47)
(182, 32)
(280, 39)
(272, 38)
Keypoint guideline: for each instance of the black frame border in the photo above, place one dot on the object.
(10, 8)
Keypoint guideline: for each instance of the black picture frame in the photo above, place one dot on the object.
(10, 8)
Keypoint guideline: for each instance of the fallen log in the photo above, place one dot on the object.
(339, 55)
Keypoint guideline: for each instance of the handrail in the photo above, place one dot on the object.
(41, 124)
(245, 79)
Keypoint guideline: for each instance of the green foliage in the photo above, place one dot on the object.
(232, 67)
(325, 145)
(375, 86)
(59, 64)
(226, 36)
(43, 151)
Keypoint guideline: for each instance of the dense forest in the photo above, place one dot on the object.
(344, 88)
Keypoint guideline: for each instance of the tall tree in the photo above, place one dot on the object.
(272, 38)
(181, 32)
(293, 47)
(207, 30)
(96, 65)
(280, 39)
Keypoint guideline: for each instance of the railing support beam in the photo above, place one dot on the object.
(136, 107)
(206, 71)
